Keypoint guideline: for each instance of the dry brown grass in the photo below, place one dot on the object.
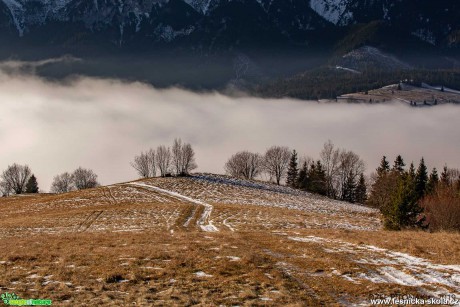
(138, 251)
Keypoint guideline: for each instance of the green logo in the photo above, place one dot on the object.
(12, 299)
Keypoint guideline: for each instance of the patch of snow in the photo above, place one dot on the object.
(202, 274)
(17, 13)
(425, 35)
(347, 69)
(201, 6)
(265, 299)
(168, 34)
(439, 88)
(386, 266)
(226, 224)
(332, 10)
(399, 277)
(307, 239)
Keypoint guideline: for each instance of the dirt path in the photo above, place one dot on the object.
(203, 221)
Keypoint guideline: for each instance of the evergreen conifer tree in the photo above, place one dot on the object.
(432, 181)
(349, 189)
(384, 166)
(411, 172)
(32, 185)
(399, 164)
(293, 171)
(317, 179)
(361, 190)
(421, 179)
(302, 179)
(403, 210)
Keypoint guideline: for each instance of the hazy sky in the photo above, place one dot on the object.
(102, 124)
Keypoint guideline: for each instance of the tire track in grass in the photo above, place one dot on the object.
(90, 219)
(203, 222)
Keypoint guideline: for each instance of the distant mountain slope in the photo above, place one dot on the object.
(305, 22)
(197, 43)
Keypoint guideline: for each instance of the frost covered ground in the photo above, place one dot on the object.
(213, 240)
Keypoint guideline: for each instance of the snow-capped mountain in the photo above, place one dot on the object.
(227, 22)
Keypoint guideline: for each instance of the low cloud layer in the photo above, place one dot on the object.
(102, 124)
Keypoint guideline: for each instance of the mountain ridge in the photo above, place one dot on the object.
(126, 21)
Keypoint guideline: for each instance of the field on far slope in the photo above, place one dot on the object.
(213, 240)
(422, 96)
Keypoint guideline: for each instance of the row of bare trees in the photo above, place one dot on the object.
(80, 179)
(340, 166)
(249, 165)
(19, 179)
(178, 160)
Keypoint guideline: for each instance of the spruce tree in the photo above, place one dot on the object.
(384, 166)
(321, 185)
(411, 172)
(433, 181)
(399, 164)
(361, 190)
(293, 171)
(348, 193)
(317, 179)
(32, 185)
(403, 209)
(312, 178)
(421, 179)
(302, 179)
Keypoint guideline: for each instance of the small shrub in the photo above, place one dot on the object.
(113, 278)
(442, 209)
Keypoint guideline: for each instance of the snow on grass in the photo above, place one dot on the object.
(308, 239)
(220, 190)
(204, 222)
(202, 274)
(386, 266)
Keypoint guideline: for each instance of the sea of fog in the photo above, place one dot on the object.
(102, 124)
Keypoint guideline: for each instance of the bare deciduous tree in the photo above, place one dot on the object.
(15, 177)
(341, 167)
(183, 158)
(5, 188)
(84, 179)
(177, 158)
(163, 159)
(188, 159)
(144, 164)
(330, 160)
(276, 161)
(244, 164)
(63, 183)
